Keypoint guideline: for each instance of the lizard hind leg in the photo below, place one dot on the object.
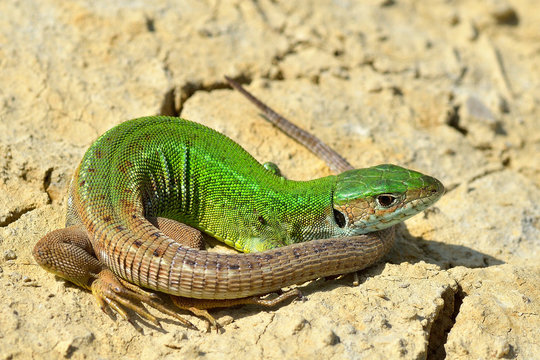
(68, 253)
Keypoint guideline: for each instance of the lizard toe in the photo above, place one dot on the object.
(117, 294)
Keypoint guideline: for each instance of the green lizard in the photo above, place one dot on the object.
(141, 181)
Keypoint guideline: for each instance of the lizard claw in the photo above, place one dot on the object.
(114, 293)
(200, 311)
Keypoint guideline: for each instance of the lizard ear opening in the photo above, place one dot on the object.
(339, 218)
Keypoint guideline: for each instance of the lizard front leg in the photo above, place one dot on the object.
(199, 307)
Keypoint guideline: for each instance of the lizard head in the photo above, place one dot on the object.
(378, 197)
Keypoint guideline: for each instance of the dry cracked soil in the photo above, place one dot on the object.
(450, 88)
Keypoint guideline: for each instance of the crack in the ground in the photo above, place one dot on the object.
(453, 120)
(47, 182)
(173, 103)
(260, 335)
(15, 215)
(444, 322)
(167, 105)
(484, 174)
(451, 187)
(265, 328)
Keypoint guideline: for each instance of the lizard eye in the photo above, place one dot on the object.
(386, 200)
(339, 218)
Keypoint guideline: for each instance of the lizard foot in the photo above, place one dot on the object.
(199, 306)
(111, 292)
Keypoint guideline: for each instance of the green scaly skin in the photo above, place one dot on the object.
(177, 169)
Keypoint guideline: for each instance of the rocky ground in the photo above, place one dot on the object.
(449, 88)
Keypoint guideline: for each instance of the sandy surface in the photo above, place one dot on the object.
(449, 88)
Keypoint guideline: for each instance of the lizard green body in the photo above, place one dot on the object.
(184, 171)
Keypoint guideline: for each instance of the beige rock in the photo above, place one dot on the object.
(500, 313)
(447, 88)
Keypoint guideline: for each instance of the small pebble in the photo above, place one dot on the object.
(331, 338)
(502, 348)
(10, 255)
(504, 14)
